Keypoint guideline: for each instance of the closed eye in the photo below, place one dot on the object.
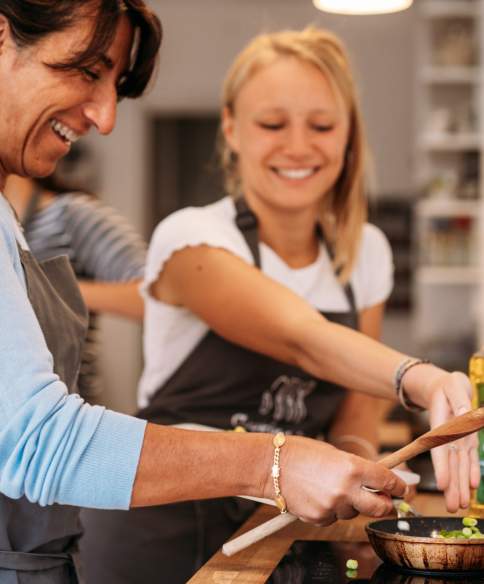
(90, 74)
(271, 127)
(322, 128)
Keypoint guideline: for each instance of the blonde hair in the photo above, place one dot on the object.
(344, 208)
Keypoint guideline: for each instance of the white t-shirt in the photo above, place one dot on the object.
(171, 333)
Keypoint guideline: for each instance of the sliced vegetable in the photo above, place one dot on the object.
(352, 564)
(469, 531)
(469, 521)
(404, 507)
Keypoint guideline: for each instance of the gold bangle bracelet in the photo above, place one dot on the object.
(278, 441)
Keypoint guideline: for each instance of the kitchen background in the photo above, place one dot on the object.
(419, 75)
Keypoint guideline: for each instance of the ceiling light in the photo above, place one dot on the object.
(362, 6)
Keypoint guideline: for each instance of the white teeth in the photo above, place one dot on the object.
(64, 132)
(295, 173)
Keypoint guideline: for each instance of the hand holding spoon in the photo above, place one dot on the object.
(454, 429)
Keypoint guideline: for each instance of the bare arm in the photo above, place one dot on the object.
(319, 482)
(219, 287)
(118, 298)
(361, 413)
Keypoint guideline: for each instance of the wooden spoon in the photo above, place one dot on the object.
(454, 429)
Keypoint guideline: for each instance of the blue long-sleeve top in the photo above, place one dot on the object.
(54, 448)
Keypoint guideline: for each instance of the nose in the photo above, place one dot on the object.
(100, 110)
(298, 141)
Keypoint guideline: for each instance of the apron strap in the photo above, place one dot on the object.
(246, 221)
(29, 562)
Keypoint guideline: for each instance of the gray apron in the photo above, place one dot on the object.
(37, 544)
(87, 382)
(223, 385)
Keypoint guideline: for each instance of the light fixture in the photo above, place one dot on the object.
(362, 6)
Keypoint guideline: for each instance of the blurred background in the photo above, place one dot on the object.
(419, 72)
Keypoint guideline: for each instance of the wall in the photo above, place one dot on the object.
(201, 38)
(123, 185)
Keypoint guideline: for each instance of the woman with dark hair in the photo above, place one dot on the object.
(64, 65)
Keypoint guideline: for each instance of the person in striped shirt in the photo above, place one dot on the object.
(106, 253)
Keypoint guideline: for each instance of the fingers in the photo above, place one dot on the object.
(457, 470)
(463, 475)
(376, 476)
(373, 504)
(452, 497)
(475, 467)
(411, 493)
(342, 511)
(456, 465)
(440, 460)
(346, 512)
(323, 522)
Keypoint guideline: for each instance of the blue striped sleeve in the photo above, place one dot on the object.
(105, 245)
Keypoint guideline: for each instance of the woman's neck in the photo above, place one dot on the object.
(19, 191)
(291, 234)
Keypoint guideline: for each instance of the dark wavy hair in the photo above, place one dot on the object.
(32, 20)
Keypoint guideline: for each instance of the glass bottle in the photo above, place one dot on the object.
(476, 374)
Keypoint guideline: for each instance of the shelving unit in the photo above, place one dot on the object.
(448, 178)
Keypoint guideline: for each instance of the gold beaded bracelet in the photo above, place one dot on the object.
(278, 441)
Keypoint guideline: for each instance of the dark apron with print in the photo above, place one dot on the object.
(38, 544)
(223, 385)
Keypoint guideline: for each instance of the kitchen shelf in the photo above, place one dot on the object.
(449, 8)
(447, 275)
(448, 172)
(450, 74)
(450, 142)
(447, 207)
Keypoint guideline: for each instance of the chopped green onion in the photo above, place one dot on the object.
(469, 521)
(352, 564)
(404, 507)
(464, 533)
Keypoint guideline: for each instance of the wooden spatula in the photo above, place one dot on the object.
(453, 430)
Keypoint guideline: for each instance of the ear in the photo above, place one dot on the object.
(4, 31)
(229, 129)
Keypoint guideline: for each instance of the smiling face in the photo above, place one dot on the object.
(44, 110)
(289, 129)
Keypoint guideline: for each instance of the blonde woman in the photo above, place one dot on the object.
(251, 304)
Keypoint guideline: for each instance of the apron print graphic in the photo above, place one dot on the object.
(284, 401)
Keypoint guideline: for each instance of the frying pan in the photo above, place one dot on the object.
(417, 550)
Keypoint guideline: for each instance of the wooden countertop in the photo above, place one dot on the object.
(255, 564)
